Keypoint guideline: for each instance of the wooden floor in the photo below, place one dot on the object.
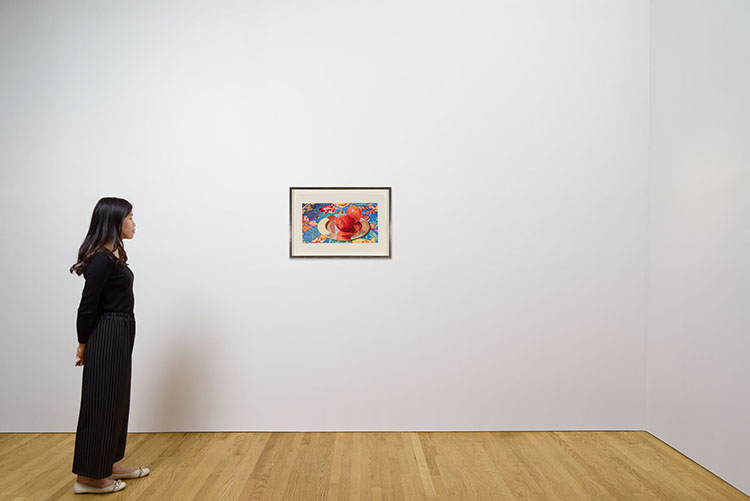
(349, 466)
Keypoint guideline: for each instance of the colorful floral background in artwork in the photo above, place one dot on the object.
(313, 213)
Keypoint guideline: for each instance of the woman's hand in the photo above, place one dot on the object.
(80, 354)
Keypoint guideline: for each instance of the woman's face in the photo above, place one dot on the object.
(128, 227)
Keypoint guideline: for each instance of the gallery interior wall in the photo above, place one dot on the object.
(514, 136)
(699, 253)
(569, 213)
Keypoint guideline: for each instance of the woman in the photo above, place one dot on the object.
(106, 332)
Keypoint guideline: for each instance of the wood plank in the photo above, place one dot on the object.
(373, 466)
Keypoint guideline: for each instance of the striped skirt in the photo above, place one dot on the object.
(105, 396)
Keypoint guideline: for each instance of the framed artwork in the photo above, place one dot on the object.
(339, 222)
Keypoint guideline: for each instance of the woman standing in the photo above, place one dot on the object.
(106, 332)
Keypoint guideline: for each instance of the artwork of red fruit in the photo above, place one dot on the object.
(354, 212)
(344, 223)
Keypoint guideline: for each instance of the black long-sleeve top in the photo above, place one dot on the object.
(109, 287)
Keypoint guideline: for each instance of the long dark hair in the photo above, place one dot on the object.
(105, 228)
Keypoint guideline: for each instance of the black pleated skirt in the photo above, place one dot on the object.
(105, 396)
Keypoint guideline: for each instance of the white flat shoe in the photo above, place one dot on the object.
(80, 488)
(140, 472)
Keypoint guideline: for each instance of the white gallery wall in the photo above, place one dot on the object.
(514, 136)
(699, 260)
